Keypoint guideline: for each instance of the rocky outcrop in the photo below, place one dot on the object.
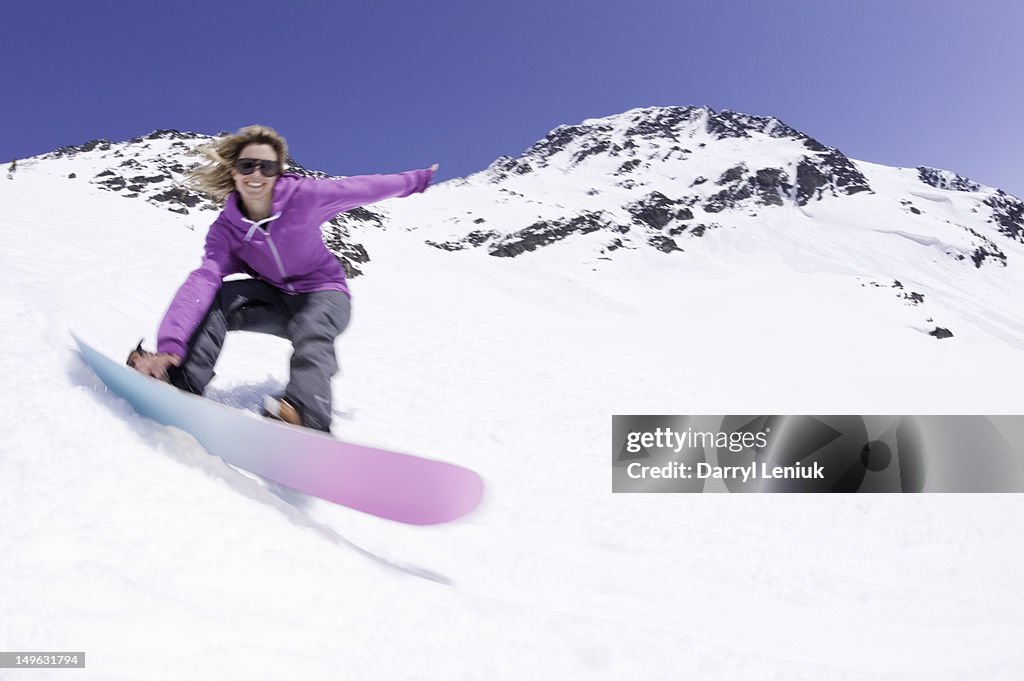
(944, 179)
(1007, 214)
(546, 232)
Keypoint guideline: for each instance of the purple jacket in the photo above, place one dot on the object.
(286, 250)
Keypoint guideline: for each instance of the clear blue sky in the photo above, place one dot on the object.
(363, 87)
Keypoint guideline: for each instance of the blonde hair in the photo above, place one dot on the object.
(214, 178)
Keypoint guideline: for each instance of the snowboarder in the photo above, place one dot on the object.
(269, 228)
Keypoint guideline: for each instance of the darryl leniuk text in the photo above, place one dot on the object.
(666, 438)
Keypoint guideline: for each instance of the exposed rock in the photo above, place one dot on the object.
(663, 123)
(178, 195)
(448, 245)
(657, 211)
(628, 167)
(1008, 213)
(830, 172)
(944, 179)
(544, 232)
(728, 198)
(732, 175)
(92, 145)
(699, 230)
(337, 237)
(361, 214)
(665, 244)
(730, 124)
(591, 138)
(909, 205)
(506, 165)
(615, 245)
(471, 240)
(985, 249)
(770, 185)
(598, 147)
(983, 253)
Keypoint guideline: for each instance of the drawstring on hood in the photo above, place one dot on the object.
(258, 225)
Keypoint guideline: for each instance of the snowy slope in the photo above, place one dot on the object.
(127, 541)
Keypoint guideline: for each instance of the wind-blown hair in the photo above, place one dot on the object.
(214, 177)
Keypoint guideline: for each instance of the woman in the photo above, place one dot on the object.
(269, 229)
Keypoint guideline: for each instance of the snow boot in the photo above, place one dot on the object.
(280, 409)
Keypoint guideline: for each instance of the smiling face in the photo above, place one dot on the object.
(255, 189)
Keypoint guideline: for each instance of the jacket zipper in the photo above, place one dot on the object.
(280, 264)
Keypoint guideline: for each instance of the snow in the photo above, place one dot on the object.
(126, 540)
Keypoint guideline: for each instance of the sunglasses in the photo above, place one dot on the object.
(247, 166)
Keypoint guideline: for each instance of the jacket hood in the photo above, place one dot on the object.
(284, 190)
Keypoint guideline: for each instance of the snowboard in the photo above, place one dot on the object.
(392, 485)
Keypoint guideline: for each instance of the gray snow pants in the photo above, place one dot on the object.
(311, 321)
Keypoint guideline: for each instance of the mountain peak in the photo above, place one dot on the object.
(653, 177)
(661, 139)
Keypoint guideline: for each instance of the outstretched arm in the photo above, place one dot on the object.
(346, 193)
